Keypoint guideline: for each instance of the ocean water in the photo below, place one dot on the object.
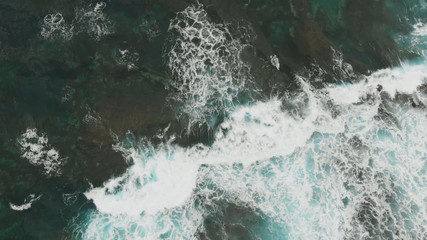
(339, 155)
(346, 161)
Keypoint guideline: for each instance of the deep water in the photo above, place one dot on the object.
(213, 119)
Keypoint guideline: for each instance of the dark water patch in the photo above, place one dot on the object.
(231, 221)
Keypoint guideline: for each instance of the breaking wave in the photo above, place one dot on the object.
(348, 162)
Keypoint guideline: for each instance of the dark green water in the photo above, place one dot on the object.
(75, 84)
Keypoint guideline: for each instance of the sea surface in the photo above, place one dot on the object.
(213, 119)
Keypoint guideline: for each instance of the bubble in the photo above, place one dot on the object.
(54, 26)
(342, 69)
(38, 152)
(204, 61)
(91, 20)
(27, 203)
(339, 170)
(275, 61)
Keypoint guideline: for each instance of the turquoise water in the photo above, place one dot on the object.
(350, 176)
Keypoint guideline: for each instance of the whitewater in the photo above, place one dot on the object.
(347, 161)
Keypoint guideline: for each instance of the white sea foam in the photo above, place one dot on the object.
(420, 29)
(404, 80)
(27, 203)
(339, 169)
(128, 59)
(54, 26)
(92, 117)
(94, 21)
(36, 149)
(164, 178)
(205, 63)
(275, 61)
(340, 67)
(417, 40)
(91, 20)
(342, 163)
